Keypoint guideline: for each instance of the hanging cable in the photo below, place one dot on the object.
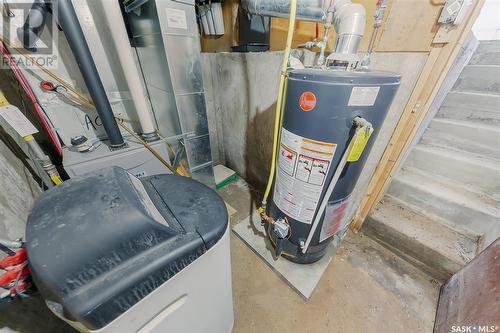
(45, 70)
(148, 147)
(78, 96)
(27, 88)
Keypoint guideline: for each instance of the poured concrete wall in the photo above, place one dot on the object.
(242, 101)
(241, 95)
(18, 191)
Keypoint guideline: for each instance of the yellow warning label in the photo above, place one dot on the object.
(360, 139)
(3, 100)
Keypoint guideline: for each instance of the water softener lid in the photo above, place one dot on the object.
(347, 77)
(100, 243)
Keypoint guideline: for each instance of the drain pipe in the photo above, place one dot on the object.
(76, 40)
(133, 77)
(349, 18)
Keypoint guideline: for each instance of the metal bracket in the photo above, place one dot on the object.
(346, 61)
(453, 12)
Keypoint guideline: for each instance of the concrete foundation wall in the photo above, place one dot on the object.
(18, 191)
(242, 101)
(241, 94)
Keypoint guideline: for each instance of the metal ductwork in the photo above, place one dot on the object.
(349, 18)
(76, 40)
(349, 21)
(307, 10)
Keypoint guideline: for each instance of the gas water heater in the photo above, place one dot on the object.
(325, 112)
(330, 116)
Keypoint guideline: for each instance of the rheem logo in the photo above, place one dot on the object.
(307, 101)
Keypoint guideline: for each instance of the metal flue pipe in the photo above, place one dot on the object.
(76, 40)
(349, 18)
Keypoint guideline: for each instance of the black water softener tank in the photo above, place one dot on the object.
(320, 106)
(110, 252)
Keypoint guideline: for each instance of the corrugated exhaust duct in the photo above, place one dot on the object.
(76, 40)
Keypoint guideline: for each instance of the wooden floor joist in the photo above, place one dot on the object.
(439, 61)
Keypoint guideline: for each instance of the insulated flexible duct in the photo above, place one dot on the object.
(76, 40)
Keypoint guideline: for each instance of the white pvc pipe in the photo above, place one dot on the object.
(133, 76)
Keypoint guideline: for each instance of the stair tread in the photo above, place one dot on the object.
(468, 124)
(450, 190)
(477, 172)
(474, 93)
(487, 52)
(458, 145)
(473, 99)
(495, 66)
(489, 45)
(456, 90)
(428, 232)
(480, 78)
(463, 156)
(463, 136)
(471, 109)
(474, 115)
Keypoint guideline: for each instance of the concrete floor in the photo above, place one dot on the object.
(365, 289)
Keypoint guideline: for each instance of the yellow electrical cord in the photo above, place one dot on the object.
(280, 100)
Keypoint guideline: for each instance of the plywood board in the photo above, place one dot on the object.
(223, 43)
(470, 298)
(306, 31)
(410, 26)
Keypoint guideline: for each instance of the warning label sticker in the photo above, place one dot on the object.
(335, 219)
(287, 159)
(363, 96)
(176, 18)
(303, 167)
